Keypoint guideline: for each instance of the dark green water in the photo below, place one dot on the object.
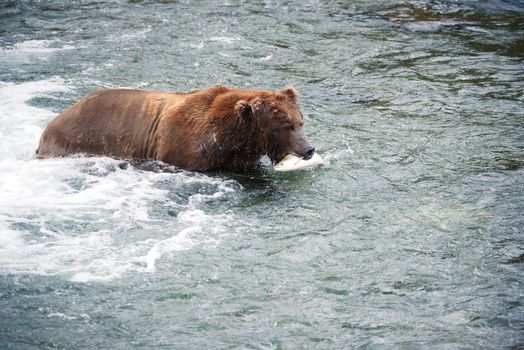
(411, 236)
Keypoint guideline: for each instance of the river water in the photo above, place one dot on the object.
(410, 237)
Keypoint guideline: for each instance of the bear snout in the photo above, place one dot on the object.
(308, 152)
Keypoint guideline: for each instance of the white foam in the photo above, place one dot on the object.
(181, 241)
(26, 50)
(224, 39)
(198, 46)
(61, 315)
(20, 123)
(88, 219)
(198, 222)
(135, 35)
(36, 46)
(266, 58)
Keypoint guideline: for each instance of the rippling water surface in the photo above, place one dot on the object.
(411, 236)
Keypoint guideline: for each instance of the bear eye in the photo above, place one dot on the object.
(289, 127)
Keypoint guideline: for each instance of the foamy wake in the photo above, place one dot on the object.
(90, 219)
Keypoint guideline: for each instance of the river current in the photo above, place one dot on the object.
(410, 237)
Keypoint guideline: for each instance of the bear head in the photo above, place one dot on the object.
(278, 122)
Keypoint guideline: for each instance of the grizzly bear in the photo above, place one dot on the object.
(210, 129)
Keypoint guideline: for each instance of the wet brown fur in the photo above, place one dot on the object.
(214, 128)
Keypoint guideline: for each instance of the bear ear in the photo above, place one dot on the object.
(244, 109)
(290, 92)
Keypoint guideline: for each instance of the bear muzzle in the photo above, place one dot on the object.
(308, 152)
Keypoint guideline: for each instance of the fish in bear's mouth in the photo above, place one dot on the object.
(292, 162)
